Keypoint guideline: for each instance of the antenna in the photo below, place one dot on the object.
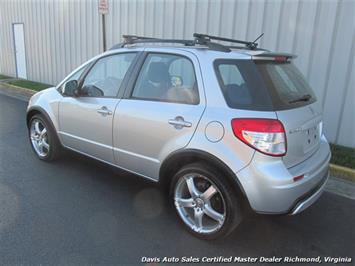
(253, 44)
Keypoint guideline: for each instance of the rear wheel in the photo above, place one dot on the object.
(43, 139)
(206, 205)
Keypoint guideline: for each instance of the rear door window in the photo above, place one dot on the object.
(167, 78)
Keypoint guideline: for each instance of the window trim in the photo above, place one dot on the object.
(138, 68)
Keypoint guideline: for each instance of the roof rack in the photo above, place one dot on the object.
(200, 39)
(132, 39)
(204, 39)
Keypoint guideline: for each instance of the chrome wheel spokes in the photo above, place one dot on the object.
(39, 138)
(208, 194)
(186, 203)
(191, 186)
(201, 207)
(198, 215)
(213, 214)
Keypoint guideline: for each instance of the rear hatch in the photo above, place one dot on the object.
(303, 132)
(295, 106)
(270, 82)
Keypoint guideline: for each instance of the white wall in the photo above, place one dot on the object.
(61, 34)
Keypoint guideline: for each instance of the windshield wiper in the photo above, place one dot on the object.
(304, 98)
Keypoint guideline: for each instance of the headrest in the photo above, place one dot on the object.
(158, 72)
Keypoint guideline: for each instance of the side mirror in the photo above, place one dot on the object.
(71, 88)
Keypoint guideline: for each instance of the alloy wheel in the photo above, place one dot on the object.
(39, 138)
(199, 203)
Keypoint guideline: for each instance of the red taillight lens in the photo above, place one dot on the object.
(280, 59)
(265, 135)
(297, 178)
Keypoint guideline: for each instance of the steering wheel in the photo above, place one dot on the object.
(92, 91)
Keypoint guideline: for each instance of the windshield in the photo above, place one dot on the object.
(262, 85)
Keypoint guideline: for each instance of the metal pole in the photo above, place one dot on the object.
(103, 32)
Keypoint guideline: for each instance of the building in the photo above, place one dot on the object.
(53, 37)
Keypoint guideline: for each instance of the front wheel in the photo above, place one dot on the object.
(43, 139)
(206, 204)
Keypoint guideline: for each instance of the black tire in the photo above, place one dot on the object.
(232, 198)
(55, 148)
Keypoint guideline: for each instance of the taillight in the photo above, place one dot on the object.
(280, 59)
(265, 135)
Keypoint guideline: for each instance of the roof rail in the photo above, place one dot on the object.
(200, 39)
(204, 39)
(132, 39)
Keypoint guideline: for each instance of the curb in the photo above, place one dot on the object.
(342, 172)
(15, 91)
(19, 88)
(23, 93)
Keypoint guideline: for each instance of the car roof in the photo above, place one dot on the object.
(202, 51)
(196, 50)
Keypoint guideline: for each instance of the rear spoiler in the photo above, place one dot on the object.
(279, 57)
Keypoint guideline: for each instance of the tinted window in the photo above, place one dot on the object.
(169, 78)
(262, 85)
(242, 86)
(287, 86)
(105, 77)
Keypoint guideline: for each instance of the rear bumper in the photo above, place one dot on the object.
(270, 188)
(309, 198)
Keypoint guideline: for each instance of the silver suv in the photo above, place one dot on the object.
(224, 128)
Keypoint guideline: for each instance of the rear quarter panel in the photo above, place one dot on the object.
(234, 153)
(222, 142)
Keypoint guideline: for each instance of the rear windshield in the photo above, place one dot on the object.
(262, 85)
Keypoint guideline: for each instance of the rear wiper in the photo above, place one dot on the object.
(304, 98)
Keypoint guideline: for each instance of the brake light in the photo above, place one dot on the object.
(265, 135)
(280, 59)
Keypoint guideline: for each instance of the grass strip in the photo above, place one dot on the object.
(4, 77)
(28, 84)
(343, 156)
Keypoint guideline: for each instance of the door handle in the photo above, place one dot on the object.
(179, 122)
(104, 111)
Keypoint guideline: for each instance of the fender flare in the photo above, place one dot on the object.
(178, 158)
(39, 110)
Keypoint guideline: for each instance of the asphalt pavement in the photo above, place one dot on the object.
(78, 211)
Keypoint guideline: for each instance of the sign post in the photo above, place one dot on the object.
(103, 10)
